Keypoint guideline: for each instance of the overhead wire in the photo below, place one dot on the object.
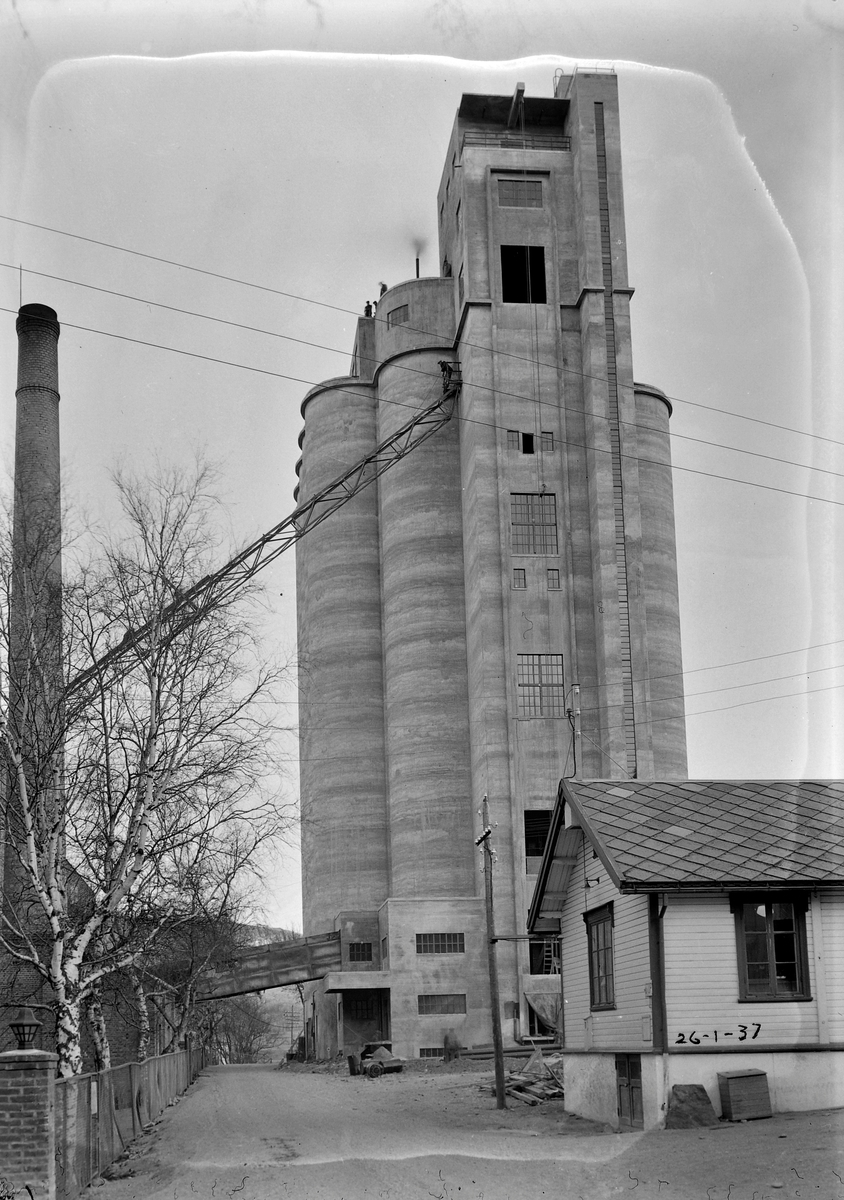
(463, 420)
(353, 312)
(535, 362)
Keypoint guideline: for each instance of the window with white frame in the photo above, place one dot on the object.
(539, 684)
(533, 523)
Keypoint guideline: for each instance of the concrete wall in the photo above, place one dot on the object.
(343, 787)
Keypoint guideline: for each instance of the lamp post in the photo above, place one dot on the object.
(25, 1025)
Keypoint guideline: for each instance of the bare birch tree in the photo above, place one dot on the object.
(145, 797)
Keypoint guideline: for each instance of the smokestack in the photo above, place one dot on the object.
(35, 610)
(417, 268)
(37, 472)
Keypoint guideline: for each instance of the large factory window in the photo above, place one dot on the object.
(523, 274)
(540, 685)
(434, 1005)
(440, 943)
(520, 193)
(533, 522)
(537, 824)
(360, 951)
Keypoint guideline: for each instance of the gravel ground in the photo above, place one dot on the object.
(258, 1133)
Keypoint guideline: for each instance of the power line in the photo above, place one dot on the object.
(465, 420)
(732, 687)
(352, 312)
(675, 436)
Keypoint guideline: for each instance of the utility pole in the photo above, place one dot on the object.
(497, 1043)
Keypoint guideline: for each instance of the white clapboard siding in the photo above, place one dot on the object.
(832, 914)
(701, 982)
(621, 1027)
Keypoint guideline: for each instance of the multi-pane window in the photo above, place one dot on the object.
(440, 943)
(599, 924)
(513, 439)
(437, 1004)
(520, 193)
(553, 579)
(537, 824)
(358, 1007)
(771, 936)
(431, 1051)
(540, 685)
(546, 440)
(360, 951)
(398, 316)
(523, 275)
(545, 957)
(533, 523)
(519, 579)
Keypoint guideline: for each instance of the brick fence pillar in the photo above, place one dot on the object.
(28, 1121)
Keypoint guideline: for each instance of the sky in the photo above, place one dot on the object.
(239, 175)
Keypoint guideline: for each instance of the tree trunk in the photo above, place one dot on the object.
(99, 1033)
(68, 1039)
(143, 1016)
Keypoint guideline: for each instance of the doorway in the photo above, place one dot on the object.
(628, 1075)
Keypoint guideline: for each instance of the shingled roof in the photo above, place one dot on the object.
(705, 833)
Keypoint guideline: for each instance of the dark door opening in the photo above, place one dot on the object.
(628, 1074)
(365, 1017)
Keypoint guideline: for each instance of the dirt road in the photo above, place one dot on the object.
(255, 1133)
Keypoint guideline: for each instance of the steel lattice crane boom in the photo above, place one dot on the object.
(209, 591)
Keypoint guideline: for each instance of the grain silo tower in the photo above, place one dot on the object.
(502, 609)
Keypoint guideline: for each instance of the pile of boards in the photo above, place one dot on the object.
(539, 1079)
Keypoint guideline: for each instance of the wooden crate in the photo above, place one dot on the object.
(744, 1095)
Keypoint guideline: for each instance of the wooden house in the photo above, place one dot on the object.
(702, 933)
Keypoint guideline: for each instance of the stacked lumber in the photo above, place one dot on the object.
(539, 1079)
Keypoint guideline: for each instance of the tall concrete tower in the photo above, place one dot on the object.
(503, 609)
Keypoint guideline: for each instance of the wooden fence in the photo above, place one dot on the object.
(98, 1115)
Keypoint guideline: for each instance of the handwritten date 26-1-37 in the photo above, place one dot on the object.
(696, 1039)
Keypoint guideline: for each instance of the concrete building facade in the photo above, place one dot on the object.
(501, 609)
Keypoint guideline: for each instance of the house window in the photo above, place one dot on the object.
(519, 579)
(533, 523)
(527, 443)
(772, 955)
(553, 579)
(540, 685)
(440, 943)
(431, 1052)
(537, 824)
(513, 439)
(523, 274)
(546, 440)
(520, 193)
(599, 925)
(360, 951)
(398, 316)
(438, 1004)
(545, 957)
